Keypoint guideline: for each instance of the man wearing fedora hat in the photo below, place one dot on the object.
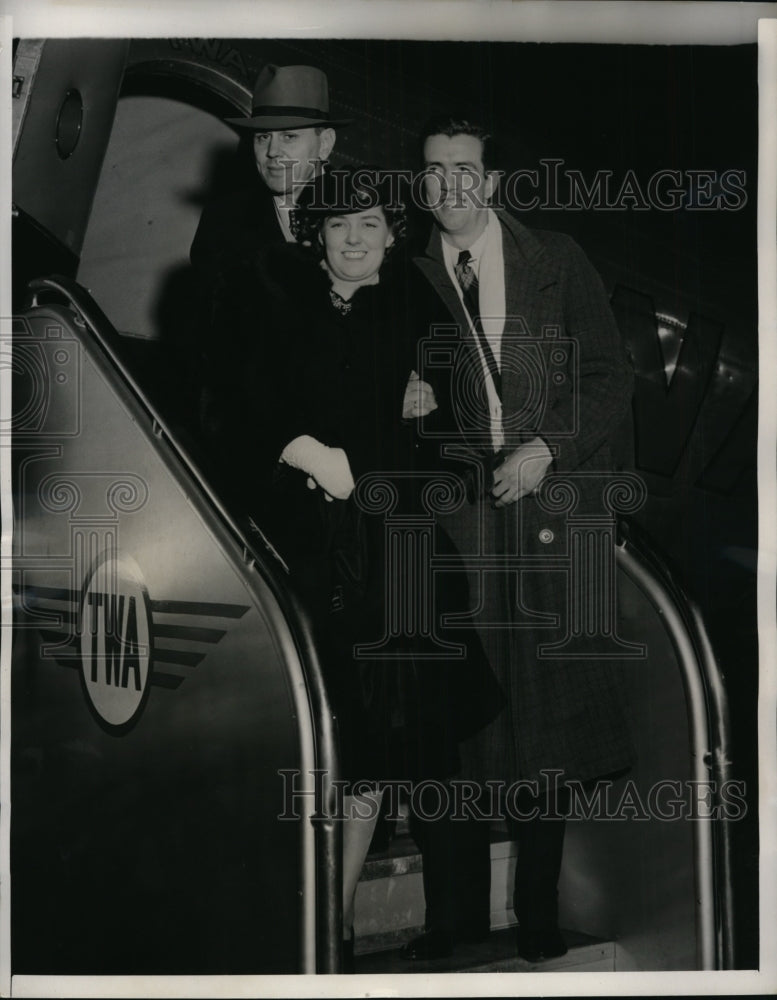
(293, 135)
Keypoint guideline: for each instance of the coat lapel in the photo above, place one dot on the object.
(266, 218)
(529, 270)
(531, 274)
(432, 266)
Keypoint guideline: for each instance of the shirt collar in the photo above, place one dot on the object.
(451, 253)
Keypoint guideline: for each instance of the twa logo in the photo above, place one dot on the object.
(115, 641)
(122, 641)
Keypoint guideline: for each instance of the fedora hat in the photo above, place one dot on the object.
(289, 97)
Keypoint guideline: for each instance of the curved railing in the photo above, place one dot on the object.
(710, 732)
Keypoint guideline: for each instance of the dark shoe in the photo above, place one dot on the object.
(539, 946)
(426, 947)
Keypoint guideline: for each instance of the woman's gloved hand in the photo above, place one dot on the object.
(328, 467)
(419, 398)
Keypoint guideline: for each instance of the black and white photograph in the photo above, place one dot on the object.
(387, 481)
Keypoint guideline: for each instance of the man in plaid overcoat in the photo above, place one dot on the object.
(532, 375)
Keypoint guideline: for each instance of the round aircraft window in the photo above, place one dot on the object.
(71, 115)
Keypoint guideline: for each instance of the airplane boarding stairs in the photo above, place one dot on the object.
(163, 676)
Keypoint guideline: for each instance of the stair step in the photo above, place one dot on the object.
(390, 905)
(495, 954)
(401, 857)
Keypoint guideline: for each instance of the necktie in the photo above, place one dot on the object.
(469, 287)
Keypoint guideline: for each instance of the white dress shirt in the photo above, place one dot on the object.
(487, 262)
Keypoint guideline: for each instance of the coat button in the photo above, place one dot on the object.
(546, 536)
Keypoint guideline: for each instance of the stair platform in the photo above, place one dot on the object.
(390, 911)
(495, 954)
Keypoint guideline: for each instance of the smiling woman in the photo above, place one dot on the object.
(327, 394)
(352, 218)
(355, 246)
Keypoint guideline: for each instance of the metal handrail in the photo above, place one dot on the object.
(709, 723)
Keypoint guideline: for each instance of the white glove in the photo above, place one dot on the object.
(419, 398)
(327, 466)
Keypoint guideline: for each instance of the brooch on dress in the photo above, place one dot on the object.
(343, 306)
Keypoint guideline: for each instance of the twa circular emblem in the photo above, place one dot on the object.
(115, 641)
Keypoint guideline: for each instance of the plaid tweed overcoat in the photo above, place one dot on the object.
(565, 378)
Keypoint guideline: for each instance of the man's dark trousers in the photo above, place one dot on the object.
(456, 855)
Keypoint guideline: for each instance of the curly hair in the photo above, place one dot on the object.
(346, 192)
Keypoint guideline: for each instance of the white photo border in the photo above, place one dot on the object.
(609, 22)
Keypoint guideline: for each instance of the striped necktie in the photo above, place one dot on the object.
(469, 287)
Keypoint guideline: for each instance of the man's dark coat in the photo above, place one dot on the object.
(566, 379)
(233, 231)
(232, 228)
